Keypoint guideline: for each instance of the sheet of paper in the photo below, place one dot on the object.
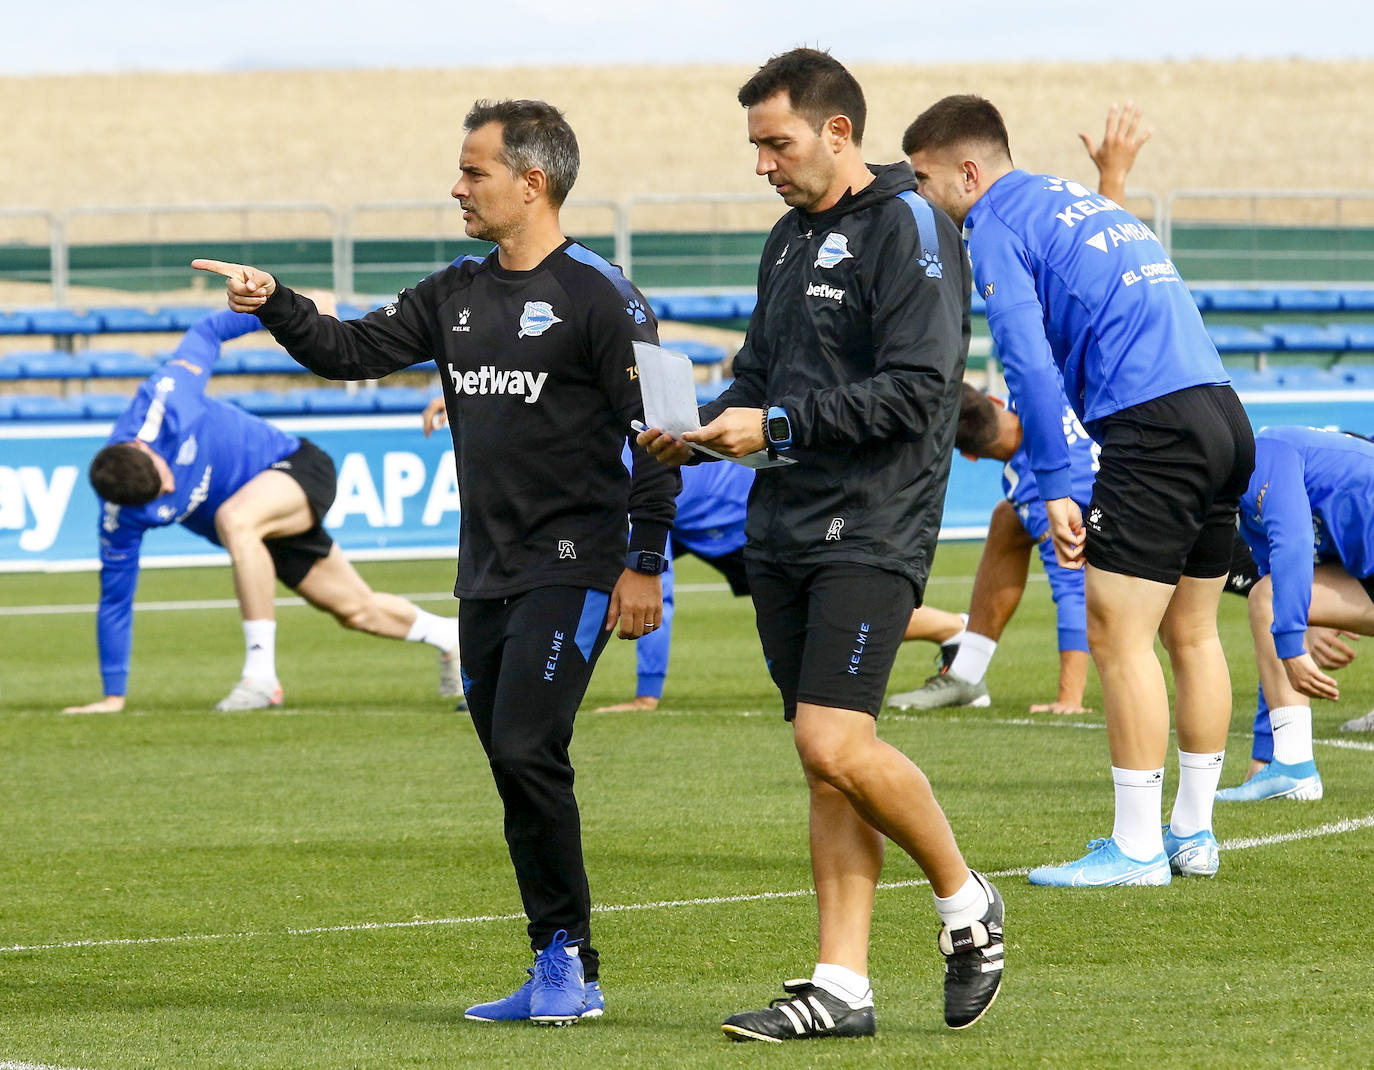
(669, 390)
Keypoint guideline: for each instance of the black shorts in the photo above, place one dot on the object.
(1244, 572)
(730, 565)
(295, 555)
(830, 633)
(1172, 472)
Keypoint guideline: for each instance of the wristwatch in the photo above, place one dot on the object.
(646, 561)
(777, 428)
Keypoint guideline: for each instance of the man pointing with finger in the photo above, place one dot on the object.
(535, 343)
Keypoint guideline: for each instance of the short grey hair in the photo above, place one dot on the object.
(534, 135)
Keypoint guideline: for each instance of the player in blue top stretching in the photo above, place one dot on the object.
(1018, 523)
(178, 456)
(1312, 492)
(1082, 297)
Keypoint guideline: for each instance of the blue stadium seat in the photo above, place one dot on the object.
(351, 312)
(104, 406)
(332, 400)
(119, 363)
(1308, 377)
(129, 320)
(1360, 337)
(267, 402)
(403, 399)
(1357, 299)
(1307, 300)
(6, 407)
(53, 365)
(697, 352)
(1202, 299)
(10, 368)
(1240, 300)
(659, 306)
(63, 321)
(1243, 379)
(15, 323)
(42, 407)
(428, 366)
(744, 304)
(708, 392)
(1357, 377)
(700, 307)
(184, 317)
(265, 362)
(1308, 338)
(1233, 338)
(977, 304)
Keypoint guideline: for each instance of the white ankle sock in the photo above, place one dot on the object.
(965, 906)
(843, 983)
(1292, 734)
(1198, 777)
(1139, 800)
(260, 651)
(975, 652)
(958, 637)
(440, 632)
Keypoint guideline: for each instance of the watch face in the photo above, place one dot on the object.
(779, 430)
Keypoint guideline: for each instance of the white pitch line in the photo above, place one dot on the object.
(1336, 828)
(10, 1064)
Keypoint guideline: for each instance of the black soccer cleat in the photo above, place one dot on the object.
(973, 963)
(806, 1012)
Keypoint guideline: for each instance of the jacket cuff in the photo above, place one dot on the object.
(1055, 484)
(276, 310)
(651, 684)
(1290, 644)
(649, 535)
(116, 683)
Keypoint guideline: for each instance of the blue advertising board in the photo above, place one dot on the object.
(398, 493)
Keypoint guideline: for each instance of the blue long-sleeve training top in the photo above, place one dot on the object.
(1080, 296)
(213, 449)
(1311, 498)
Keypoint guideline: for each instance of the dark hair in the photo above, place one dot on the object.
(954, 120)
(125, 475)
(816, 83)
(977, 427)
(534, 135)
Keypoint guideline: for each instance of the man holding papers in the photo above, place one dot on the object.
(852, 368)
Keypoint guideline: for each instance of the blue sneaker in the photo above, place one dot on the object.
(593, 1002)
(1103, 865)
(1192, 856)
(514, 1008)
(1278, 781)
(558, 994)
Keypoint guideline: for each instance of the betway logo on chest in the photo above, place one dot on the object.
(489, 379)
(820, 289)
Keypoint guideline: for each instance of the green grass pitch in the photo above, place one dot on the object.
(328, 887)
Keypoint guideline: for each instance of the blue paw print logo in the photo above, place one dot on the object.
(636, 311)
(931, 262)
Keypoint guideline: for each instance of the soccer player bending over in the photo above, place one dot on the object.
(179, 456)
(1312, 491)
(1084, 303)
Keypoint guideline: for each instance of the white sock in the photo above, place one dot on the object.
(958, 637)
(1292, 734)
(440, 632)
(975, 651)
(1198, 777)
(1139, 800)
(965, 906)
(260, 651)
(843, 983)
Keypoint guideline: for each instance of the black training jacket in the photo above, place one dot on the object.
(541, 384)
(861, 334)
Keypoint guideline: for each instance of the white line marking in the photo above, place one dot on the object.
(10, 1064)
(1351, 824)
